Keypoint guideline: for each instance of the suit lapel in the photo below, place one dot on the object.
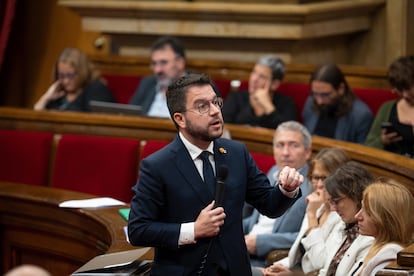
(187, 169)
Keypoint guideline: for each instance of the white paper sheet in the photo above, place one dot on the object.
(91, 203)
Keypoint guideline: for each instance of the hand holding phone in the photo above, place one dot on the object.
(389, 127)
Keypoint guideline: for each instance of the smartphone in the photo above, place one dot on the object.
(389, 127)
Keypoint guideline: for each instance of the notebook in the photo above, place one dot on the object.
(115, 108)
(124, 212)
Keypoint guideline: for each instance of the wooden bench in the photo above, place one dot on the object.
(258, 140)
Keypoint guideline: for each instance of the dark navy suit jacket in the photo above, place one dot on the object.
(170, 192)
(145, 93)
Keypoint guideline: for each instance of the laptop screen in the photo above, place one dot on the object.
(115, 108)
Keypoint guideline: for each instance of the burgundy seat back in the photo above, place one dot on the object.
(25, 156)
(101, 166)
(263, 161)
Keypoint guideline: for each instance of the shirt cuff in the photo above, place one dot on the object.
(186, 234)
(292, 194)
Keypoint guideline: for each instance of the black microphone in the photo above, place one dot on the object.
(222, 173)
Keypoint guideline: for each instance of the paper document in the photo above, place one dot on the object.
(91, 203)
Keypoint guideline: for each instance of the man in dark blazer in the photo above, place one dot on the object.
(173, 208)
(167, 64)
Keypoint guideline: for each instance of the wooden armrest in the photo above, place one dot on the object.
(276, 255)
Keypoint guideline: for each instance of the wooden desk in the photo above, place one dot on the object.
(34, 229)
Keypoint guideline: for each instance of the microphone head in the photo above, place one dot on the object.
(222, 172)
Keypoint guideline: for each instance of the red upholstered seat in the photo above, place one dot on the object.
(151, 146)
(374, 98)
(25, 156)
(101, 166)
(122, 86)
(263, 161)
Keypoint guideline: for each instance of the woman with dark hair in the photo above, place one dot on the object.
(399, 137)
(332, 110)
(385, 215)
(76, 83)
(319, 220)
(347, 247)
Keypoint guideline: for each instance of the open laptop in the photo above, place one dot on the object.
(115, 108)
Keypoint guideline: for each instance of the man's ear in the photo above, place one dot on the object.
(181, 63)
(179, 119)
(274, 85)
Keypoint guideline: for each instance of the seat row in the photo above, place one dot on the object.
(98, 165)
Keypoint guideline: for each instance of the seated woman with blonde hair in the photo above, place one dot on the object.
(77, 82)
(386, 214)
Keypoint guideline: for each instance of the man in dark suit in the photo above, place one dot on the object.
(167, 64)
(173, 207)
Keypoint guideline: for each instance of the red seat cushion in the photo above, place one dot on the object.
(25, 156)
(101, 166)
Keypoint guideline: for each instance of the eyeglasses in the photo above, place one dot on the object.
(335, 201)
(203, 106)
(161, 62)
(317, 178)
(323, 95)
(69, 76)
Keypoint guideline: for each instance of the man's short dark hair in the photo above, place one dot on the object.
(173, 42)
(177, 91)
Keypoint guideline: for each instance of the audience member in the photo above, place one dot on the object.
(386, 214)
(27, 270)
(173, 208)
(292, 146)
(77, 82)
(260, 105)
(345, 248)
(332, 110)
(168, 63)
(319, 220)
(400, 113)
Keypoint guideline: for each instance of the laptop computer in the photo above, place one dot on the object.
(115, 108)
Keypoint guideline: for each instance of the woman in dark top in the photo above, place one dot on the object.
(260, 105)
(399, 138)
(76, 84)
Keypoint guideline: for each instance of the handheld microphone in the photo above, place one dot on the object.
(222, 173)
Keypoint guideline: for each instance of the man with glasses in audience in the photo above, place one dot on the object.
(167, 63)
(292, 146)
(332, 110)
(175, 208)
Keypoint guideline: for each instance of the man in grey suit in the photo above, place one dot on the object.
(173, 208)
(167, 64)
(291, 147)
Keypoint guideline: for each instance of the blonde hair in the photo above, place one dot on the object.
(84, 68)
(390, 205)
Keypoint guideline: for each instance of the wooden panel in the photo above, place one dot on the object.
(35, 230)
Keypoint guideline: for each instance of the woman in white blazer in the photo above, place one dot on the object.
(333, 255)
(385, 215)
(319, 220)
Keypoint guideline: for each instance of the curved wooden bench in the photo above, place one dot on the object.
(36, 230)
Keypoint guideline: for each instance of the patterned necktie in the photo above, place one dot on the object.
(351, 232)
(208, 172)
